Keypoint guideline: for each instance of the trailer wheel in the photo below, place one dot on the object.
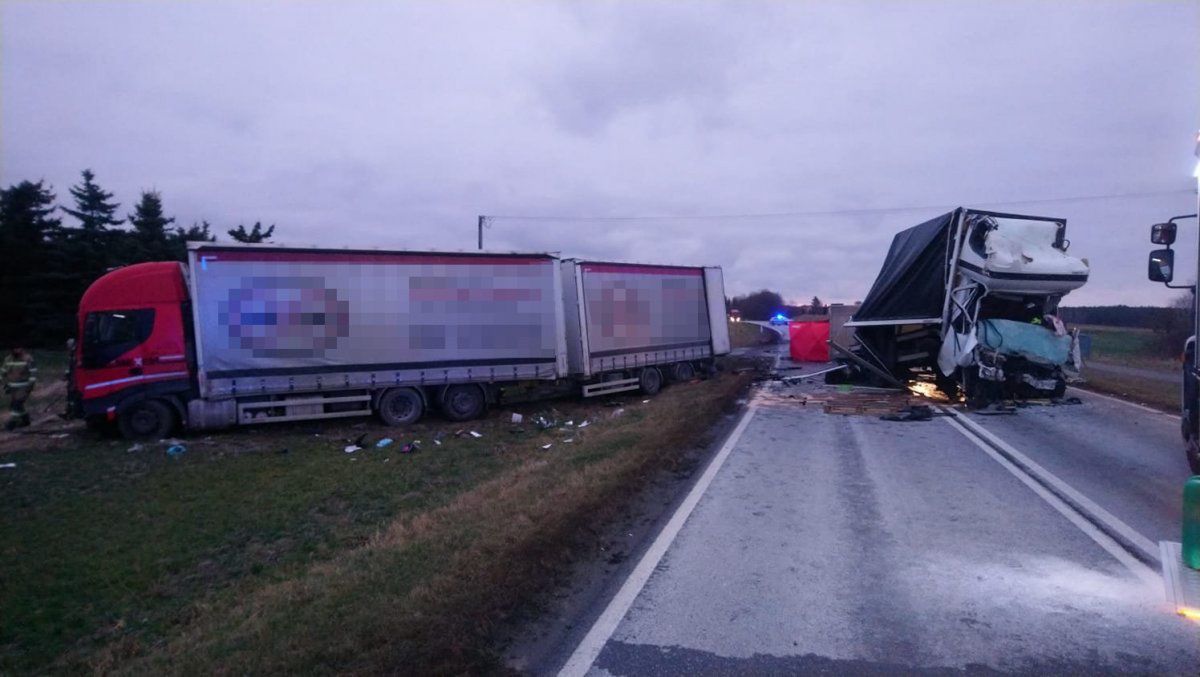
(650, 380)
(683, 371)
(463, 402)
(400, 406)
(146, 420)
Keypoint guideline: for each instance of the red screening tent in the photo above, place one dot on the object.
(809, 341)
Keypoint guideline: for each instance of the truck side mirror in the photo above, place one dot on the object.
(1163, 233)
(1162, 266)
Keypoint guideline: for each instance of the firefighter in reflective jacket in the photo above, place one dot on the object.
(17, 374)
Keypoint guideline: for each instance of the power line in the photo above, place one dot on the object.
(840, 212)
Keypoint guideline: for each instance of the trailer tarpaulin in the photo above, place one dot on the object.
(912, 283)
(809, 341)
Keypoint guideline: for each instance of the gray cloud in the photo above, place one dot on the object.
(394, 125)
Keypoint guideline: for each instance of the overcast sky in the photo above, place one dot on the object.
(395, 124)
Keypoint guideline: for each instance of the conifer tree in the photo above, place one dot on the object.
(26, 225)
(254, 235)
(194, 233)
(151, 239)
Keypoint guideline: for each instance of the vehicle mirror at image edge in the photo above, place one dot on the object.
(1162, 265)
(1163, 233)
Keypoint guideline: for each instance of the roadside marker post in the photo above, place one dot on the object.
(1190, 542)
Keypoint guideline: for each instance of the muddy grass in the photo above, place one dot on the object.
(272, 550)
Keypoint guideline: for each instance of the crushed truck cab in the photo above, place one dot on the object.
(973, 297)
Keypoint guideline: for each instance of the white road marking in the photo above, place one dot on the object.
(589, 648)
(1126, 402)
(1135, 566)
(1148, 548)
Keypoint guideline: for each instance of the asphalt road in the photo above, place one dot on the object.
(829, 544)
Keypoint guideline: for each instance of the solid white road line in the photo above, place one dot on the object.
(1127, 403)
(1135, 566)
(1148, 547)
(589, 648)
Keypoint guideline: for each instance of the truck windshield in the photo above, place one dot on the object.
(109, 334)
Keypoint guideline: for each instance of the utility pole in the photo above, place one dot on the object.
(482, 218)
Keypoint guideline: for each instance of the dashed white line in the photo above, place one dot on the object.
(589, 648)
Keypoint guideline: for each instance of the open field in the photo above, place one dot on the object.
(270, 549)
(1131, 363)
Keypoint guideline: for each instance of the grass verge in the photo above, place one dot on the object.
(271, 550)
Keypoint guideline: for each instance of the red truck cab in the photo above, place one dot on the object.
(133, 362)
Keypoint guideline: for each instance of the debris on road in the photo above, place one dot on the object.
(916, 412)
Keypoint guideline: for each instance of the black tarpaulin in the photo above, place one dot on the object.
(912, 283)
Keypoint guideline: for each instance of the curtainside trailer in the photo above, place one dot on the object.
(632, 326)
(257, 333)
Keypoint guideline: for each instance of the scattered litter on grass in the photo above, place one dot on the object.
(547, 446)
(544, 423)
(569, 440)
(583, 425)
(136, 447)
(384, 442)
(8, 465)
(387, 458)
(438, 442)
(517, 418)
(645, 401)
(411, 447)
(59, 436)
(352, 448)
(569, 423)
(616, 413)
(475, 434)
(176, 450)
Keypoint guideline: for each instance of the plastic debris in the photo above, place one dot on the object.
(384, 442)
(136, 447)
(547, 446)
(616, 413)
(352, 448)
(569, 440)
(569, 423)
(411, 447)
(176, 450)
(645, 401)
(59, 436)
(438, 442)
(583, 425)
(8, 465)
(475, 434)
(544, 423)
(517, 418)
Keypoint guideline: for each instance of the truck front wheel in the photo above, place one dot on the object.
(463, 402)
(400, 406)
(146, 420)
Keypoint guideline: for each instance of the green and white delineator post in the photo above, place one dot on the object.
(1190, 541)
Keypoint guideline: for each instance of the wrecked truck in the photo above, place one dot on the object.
(972, 297)
(246, 334)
